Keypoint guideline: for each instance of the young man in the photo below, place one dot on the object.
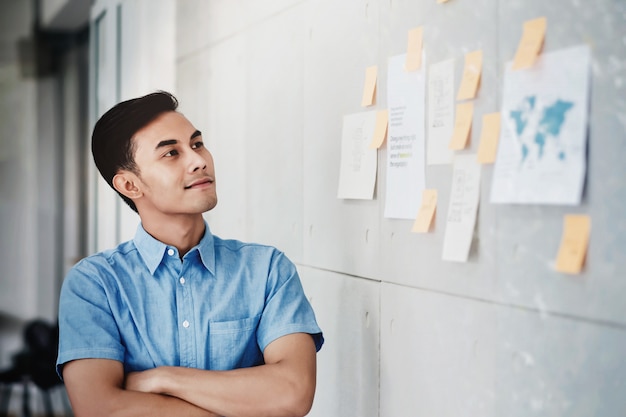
(178, 322)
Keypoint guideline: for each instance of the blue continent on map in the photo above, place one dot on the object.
(520, 117)
(548, 127)
(551, 123)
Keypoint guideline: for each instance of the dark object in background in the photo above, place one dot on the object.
(36, 364)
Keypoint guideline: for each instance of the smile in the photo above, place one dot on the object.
(200, 183)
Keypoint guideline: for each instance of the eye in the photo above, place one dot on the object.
(173, 152)
(197, 145)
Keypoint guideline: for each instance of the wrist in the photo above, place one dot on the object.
(162, 379)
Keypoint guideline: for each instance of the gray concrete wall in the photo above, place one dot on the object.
(407, 333)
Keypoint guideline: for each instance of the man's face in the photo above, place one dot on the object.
(176, 172)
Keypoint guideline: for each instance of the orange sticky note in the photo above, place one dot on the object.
(531, 43)
(462, 125)
(414, 50)
(369, 88)
(471, 75)
(380, 130)
(574, 242)
(426, 212)
(489, 137)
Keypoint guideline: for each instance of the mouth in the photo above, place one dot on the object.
(201, 182)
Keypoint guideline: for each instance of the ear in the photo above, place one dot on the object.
(127, 184)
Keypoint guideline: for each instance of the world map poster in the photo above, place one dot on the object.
(541, 156)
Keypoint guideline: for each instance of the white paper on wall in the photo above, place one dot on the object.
(440, 112)
(405, 140)
(541, 155)
(357, 174)
(461, 216)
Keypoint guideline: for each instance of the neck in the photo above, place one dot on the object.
(182, 232)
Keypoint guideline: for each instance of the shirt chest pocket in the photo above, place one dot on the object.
(233, 344)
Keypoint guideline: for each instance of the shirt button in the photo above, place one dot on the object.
(182, 281)
(170, 252)
(185, 324)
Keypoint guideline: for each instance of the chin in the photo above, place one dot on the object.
(210, 205)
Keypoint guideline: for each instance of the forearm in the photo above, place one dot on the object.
(125, 403)
(284, 386)
(96, 389)
(251, 392)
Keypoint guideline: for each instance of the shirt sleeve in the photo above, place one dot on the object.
(87, 328)
(287, 309)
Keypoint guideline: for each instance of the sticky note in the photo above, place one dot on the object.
(380, 130)
(414, 50)
(531, 43)
(369, 87)
(462, 125)
(426, 212)
(574, 242)
(471, 75)
(489, 137)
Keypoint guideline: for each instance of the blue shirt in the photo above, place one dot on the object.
(217, 308)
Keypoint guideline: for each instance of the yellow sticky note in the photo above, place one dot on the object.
(380, 130)
(462, 126)
(369, 88)
(414, 50)
(426, 212)
(471, 75)
(489, 137)
(574, 242)
(531, 43)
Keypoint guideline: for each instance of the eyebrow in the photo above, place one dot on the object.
(169, 142)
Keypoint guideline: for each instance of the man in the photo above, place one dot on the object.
(178, 322)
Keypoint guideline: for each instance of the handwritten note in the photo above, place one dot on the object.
(357, 175)
(426, 213)
(574, 243)
(440, 112)
(531, 43)
(414, 50)
(380, 130)
(462, 125)
(369, 87)
(471, 75)
(461, 218)
(489, 138)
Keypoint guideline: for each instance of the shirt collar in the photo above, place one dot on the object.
(152, 250)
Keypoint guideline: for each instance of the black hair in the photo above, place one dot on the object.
(111, 141)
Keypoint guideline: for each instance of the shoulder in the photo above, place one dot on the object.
(259, 256)
(245, 248)
(105, 263)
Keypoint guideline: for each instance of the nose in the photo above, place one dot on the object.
(197, 162)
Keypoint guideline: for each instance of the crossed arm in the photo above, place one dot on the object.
(283, 386)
